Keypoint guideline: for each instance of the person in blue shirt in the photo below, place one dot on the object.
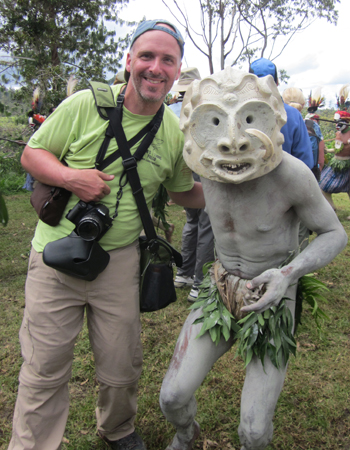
(296, 137)
(294, 97)
(316, 139)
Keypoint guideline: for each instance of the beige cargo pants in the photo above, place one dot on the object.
(53, 317)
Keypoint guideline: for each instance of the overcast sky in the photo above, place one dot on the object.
(316, 57)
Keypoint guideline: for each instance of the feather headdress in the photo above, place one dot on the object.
(72, 82)
(342, 102)
(315, 100)
(37, 100)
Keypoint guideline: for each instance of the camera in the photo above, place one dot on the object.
(91, 220)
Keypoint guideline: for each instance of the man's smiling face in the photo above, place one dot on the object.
(154, 63)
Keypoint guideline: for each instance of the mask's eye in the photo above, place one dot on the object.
(257, 115)
(208, 124)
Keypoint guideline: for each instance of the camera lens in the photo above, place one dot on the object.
(88, 229)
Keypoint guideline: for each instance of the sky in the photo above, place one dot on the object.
(316, 57)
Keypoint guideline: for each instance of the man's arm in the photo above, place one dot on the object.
(88, 184)
(316, 213)
(321, 146)
(190, 199)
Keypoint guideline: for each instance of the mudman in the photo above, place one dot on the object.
(256, 195)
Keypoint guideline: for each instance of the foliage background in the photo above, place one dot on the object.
(43, 42)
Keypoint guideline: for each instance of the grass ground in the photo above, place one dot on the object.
(313, 411)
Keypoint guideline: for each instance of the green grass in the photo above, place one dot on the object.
(313, 411)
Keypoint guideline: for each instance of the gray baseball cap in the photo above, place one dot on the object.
(149, 25)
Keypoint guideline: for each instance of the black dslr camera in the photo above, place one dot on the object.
(91, 220)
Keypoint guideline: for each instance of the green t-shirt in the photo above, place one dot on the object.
(75, 132)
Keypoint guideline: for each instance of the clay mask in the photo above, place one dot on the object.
(231, 121)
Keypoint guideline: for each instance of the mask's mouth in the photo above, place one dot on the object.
(228, 169)
(235, 169)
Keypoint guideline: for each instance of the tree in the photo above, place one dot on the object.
(49, 39)
(247, 29)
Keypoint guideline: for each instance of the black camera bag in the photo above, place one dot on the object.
(75, 257)
(157, 288)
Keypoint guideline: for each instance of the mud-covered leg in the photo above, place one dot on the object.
(262, 387)
(329, 199)
(192, 360)
(259, 398)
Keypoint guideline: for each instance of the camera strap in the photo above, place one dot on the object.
(130, 161)
(102, 107)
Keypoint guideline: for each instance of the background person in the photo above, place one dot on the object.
(56, 302)
(197, 236)
(317, 141)
(335, 177)
(294, 97)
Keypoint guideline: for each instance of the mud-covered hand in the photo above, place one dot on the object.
(276, 284)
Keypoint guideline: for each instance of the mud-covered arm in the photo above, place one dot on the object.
(190, 199)
(316, 213)
(87, 184)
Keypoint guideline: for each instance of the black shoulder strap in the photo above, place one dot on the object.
(104, 100)
(102, 163)
(130, 162)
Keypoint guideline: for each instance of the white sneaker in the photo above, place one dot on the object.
(181, 281)
(193, 295)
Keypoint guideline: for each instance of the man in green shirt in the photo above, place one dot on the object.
(55, 302)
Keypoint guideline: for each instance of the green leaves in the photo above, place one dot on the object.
(215, 317)
(310, 291)
(267, 333)
(159, 202)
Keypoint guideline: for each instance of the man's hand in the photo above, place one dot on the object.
(87, 184)
(276, 283)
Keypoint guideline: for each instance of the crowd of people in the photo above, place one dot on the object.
(56, 302)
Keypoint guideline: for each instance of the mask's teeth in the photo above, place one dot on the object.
(235, 168)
